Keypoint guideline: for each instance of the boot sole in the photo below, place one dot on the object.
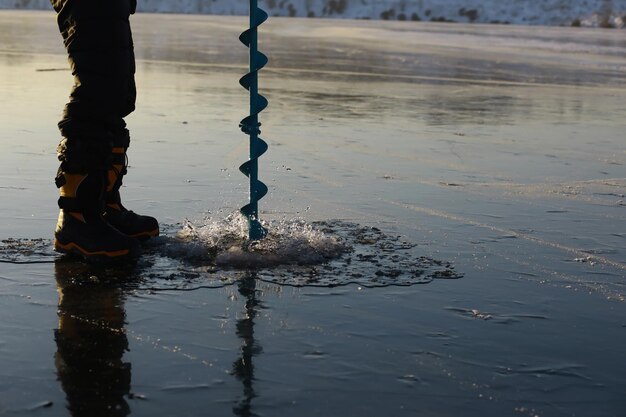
(97, 256)
(145, 235)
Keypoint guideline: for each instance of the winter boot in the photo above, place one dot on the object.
(126, 221)
(81, 228)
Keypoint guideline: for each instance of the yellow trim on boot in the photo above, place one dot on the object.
(78, 216)
(145, 235)
(73, 247)
(72, 182)
(114, 206)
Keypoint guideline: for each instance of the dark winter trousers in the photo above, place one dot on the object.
(98, 39)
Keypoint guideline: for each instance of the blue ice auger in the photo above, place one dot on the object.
(250, 125)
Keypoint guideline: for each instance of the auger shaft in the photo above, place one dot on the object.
(254, 97)
(250, 125)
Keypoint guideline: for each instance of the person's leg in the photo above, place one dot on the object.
(127, 222)
(98, 40)
(96, 34)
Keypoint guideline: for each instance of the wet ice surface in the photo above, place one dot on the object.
(498, 149)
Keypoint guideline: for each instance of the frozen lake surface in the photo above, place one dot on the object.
(495, 152)
(594, 13)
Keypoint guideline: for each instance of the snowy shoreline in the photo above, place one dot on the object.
(587, 13)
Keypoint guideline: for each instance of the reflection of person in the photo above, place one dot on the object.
(93, 222)
(90, 344)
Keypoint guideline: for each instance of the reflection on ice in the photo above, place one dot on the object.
(91, 341)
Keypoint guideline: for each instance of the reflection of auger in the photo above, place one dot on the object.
(250, 125)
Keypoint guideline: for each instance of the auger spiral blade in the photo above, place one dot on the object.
(250, 125)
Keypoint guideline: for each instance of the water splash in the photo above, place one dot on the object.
(217, 252)
(297, 253)
(225, 243)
